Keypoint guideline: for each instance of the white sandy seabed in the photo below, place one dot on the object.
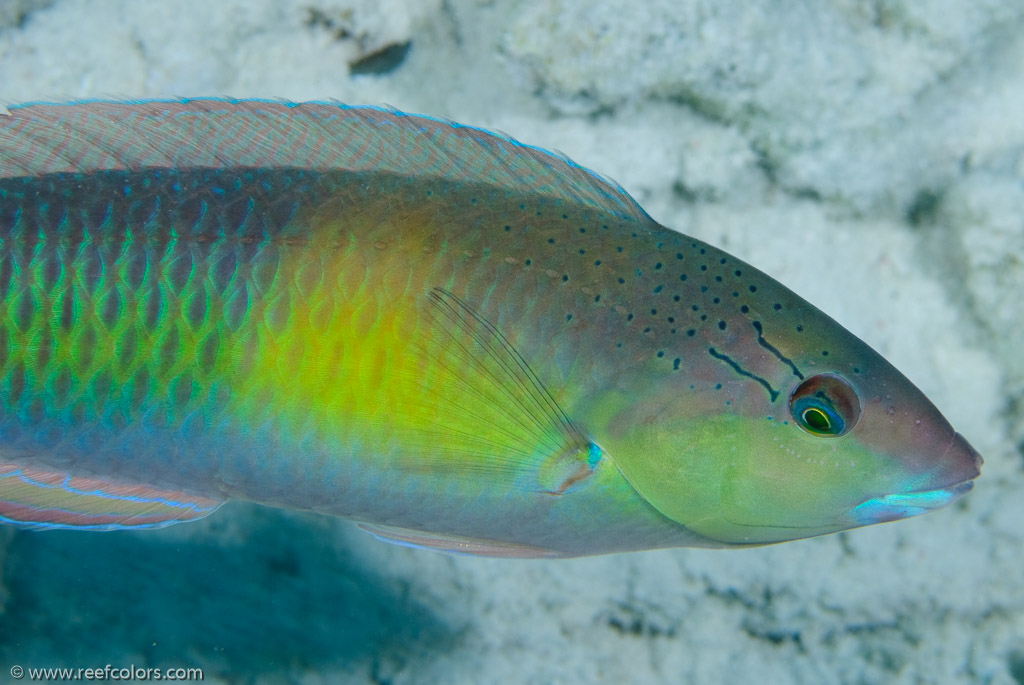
(870, 155)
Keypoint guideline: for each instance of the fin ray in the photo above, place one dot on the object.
(456, 544)
(42, 138)
(496, 415)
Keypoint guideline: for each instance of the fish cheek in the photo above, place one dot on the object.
(651, 447)
(675, 460)
(736, 479)
(739, 480)
(793, 485)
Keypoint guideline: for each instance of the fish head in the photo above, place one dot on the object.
(837, 451)
(771, 441)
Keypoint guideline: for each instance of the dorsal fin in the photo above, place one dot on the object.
(44, 138)
(495, 416)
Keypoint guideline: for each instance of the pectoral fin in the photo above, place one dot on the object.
(38, 498)
(494, 415)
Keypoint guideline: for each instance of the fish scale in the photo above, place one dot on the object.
(459, 341)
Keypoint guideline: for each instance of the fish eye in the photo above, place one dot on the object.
(825, 405)
(817, 420)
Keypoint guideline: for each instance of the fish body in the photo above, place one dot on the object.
(457, 340)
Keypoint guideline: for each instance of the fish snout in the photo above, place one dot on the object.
(959, 463)
(951, 479)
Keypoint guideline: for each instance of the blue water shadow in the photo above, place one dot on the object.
(286, 599)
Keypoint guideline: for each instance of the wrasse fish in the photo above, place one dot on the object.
(454, 339)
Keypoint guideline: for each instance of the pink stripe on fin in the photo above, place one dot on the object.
(37, 498)
(457, 544)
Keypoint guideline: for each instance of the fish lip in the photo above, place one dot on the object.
(928, 499)
(908, 504)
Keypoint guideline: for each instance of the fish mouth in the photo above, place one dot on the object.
(895, 507)
(959, 465)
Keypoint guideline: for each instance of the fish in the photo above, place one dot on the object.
(458, 341)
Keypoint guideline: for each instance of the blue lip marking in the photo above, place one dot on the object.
(895, 507)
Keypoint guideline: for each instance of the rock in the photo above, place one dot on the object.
(14, 13)
(811, 84)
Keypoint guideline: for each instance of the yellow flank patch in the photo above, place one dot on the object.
(414, 378)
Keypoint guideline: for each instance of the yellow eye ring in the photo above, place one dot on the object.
(816, 419)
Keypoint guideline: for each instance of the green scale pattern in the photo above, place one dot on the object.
(139, 306)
